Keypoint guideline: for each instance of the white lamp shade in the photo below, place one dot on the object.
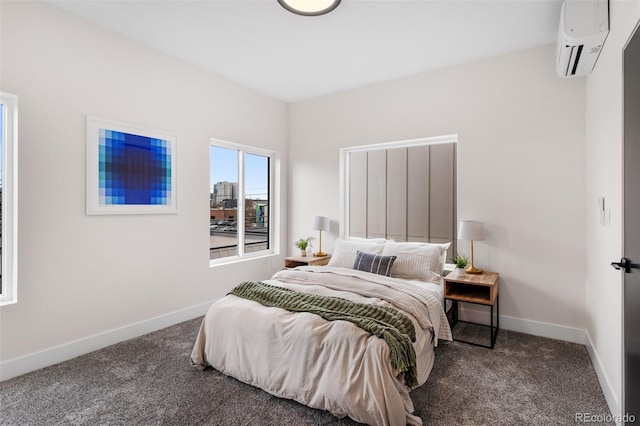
(320, 223)
(471, 230)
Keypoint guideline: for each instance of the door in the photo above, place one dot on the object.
(631, 277)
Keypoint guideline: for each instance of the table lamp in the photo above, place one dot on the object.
(473, 231)
(320, 223)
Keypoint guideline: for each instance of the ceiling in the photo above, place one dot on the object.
(262, 46)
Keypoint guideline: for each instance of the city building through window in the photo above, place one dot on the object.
(239, 201)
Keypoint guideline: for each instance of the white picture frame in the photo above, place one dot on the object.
(130, 169)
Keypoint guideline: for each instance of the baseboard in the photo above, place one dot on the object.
(67, 351)
(607, 389)
(536, 328)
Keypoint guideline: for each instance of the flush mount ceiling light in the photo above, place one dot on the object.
(309, 7)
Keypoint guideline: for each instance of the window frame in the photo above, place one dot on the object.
(274, 214)
(9, 290)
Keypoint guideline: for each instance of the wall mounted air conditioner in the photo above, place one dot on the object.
(584, 26)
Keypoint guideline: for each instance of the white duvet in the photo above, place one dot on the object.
(330, 365)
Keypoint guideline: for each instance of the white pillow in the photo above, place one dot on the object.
(369, 240)
(424, 261)
(345, 251)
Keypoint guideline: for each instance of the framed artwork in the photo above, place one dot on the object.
(130, 170)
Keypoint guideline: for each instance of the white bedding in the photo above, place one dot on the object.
(334, 366)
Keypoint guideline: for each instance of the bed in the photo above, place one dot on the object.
(332, 365)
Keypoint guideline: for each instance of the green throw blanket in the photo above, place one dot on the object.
(387, 323)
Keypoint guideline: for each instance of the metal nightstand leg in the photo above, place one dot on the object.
(498, 311)
(452, 315)
(493, 333)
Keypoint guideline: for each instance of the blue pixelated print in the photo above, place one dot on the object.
(133, 169)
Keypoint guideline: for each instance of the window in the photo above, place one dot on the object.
(240, 201)
(8, 197)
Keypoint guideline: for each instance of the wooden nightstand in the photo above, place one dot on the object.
(480, 289)
(293, 261)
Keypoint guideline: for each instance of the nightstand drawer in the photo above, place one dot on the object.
(468, 293)
(294, 261)
(472, 288)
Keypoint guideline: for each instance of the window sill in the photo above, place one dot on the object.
(4, 301)
(236, 259)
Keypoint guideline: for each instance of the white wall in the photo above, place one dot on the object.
(80, 275)
(521, 167)
(604, 178)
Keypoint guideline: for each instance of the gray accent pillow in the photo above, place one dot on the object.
(374, 263)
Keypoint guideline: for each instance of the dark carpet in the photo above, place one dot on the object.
(525, 380)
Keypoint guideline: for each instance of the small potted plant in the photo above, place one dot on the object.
(461, 261)
(302, 244)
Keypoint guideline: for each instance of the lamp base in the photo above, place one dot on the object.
(320, 254)
(473, 270)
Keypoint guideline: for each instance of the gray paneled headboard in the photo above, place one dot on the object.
(405, 193)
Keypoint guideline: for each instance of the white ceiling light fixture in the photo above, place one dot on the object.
(309, 7)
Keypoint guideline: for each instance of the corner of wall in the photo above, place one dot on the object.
(603, 379)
